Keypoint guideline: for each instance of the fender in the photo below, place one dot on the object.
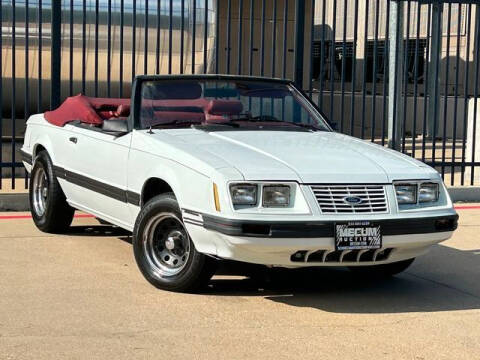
(177, 176)
(36, 124)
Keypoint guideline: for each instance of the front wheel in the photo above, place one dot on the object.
(164, 251)
(383, 270)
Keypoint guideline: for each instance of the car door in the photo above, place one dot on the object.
(98, 172)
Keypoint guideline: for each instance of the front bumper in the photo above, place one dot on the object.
(316, 229)
(311, 243)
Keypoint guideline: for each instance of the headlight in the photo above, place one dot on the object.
(276, 196)
(406, 193)
(428, 192)
(244, 194)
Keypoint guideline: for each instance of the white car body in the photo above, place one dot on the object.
(106, 175)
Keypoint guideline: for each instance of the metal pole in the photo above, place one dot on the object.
(395, 68)
(55, 53)
(433, 80)
(299, 39)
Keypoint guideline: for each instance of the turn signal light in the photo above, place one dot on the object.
(215, 197)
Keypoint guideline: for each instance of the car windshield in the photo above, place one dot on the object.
(226, 104)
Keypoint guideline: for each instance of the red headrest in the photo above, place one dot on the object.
(224, 107)
(105, 115)
(107, 103)
(120, 111)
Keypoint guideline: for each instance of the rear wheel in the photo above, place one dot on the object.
(48, 205)
(164, 251)
(383, 270)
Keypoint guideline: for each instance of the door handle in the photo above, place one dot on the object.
(73, 140)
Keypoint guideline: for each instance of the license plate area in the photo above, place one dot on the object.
(357, 235)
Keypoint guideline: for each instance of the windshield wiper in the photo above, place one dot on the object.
(175, 122)
(194, 123)
(307, 126)
(260, 118)
(271, 119)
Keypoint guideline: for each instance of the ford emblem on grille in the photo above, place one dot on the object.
(352, 200)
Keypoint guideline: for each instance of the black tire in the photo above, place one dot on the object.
(57, 215)
(383, 270)
(158, 218)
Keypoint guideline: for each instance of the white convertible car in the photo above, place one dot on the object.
(204, 168)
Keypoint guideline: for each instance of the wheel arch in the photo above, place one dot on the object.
(154, 186)
(43, 144)
(37, 148)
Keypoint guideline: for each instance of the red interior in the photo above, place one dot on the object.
(94, 111)
(88, 110)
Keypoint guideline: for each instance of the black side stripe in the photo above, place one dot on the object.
(191, 212)
(133, 198)
(98, 186)
(189, 221)
(185, 218)
(59, 172)
(26, 157)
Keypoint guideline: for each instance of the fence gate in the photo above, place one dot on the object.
(337, 50)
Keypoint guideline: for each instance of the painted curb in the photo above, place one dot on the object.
(19, 202)
(465, 193)
(14, 202)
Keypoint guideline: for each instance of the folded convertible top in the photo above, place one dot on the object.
(93, 111)
(88, 110)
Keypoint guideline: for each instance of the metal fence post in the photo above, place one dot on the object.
(395, 69)
(55, 54)
(433, 80)
(299, 41)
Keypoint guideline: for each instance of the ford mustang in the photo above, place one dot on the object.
(211, 167)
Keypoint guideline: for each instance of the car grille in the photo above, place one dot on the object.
(331, 198)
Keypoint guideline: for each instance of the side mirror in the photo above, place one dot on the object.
(117, 126)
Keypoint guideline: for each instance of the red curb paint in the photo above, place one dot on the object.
(467, 207)
(16, 217)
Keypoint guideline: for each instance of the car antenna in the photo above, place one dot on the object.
(150, 130)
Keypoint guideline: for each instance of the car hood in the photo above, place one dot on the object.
(307, 157)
